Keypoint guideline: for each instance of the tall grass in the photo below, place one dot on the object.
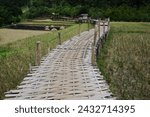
(15, 57)
(125, 60)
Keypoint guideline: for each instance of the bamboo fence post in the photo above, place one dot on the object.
(30, 67)
(59, 38)
(88, 24)
(108, 24)
(99, 37)
(79, 28)
(95, 35)
(93, 55)
(100, 45)
(99, 26)
(93, 47)
(38, 53)
(103, 27)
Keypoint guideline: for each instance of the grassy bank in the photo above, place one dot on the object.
(16, 56)
(125, 60)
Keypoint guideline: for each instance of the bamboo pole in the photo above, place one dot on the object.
(38, 53)
(108, 24)
(95, 35)
(59, 38)
(79, 29)
(93, 55)
(99, 26)
(88, 24)
(30, 67)
(103, 27)
(94, 47)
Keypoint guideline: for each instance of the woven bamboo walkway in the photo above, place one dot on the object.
(66, 73)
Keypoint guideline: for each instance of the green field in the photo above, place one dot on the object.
(48, 22)
(16, 56)
(125, 60)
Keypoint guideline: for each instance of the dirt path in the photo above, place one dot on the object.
(65, 73)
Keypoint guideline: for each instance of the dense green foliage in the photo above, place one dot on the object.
(11, 11)
(118, 10)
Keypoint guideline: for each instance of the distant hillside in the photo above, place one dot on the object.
(118, 10)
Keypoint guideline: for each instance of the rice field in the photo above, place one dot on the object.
(48, 22)
(11, 35)
(125, 60)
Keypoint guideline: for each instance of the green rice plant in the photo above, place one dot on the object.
(48, 22)
(125, 60)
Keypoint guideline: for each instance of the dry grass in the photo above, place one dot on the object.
(11, 35)
(125, 60)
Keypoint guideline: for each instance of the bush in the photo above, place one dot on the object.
(96, 13)
(9, 15)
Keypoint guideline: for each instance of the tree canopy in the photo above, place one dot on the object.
(127, 10)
